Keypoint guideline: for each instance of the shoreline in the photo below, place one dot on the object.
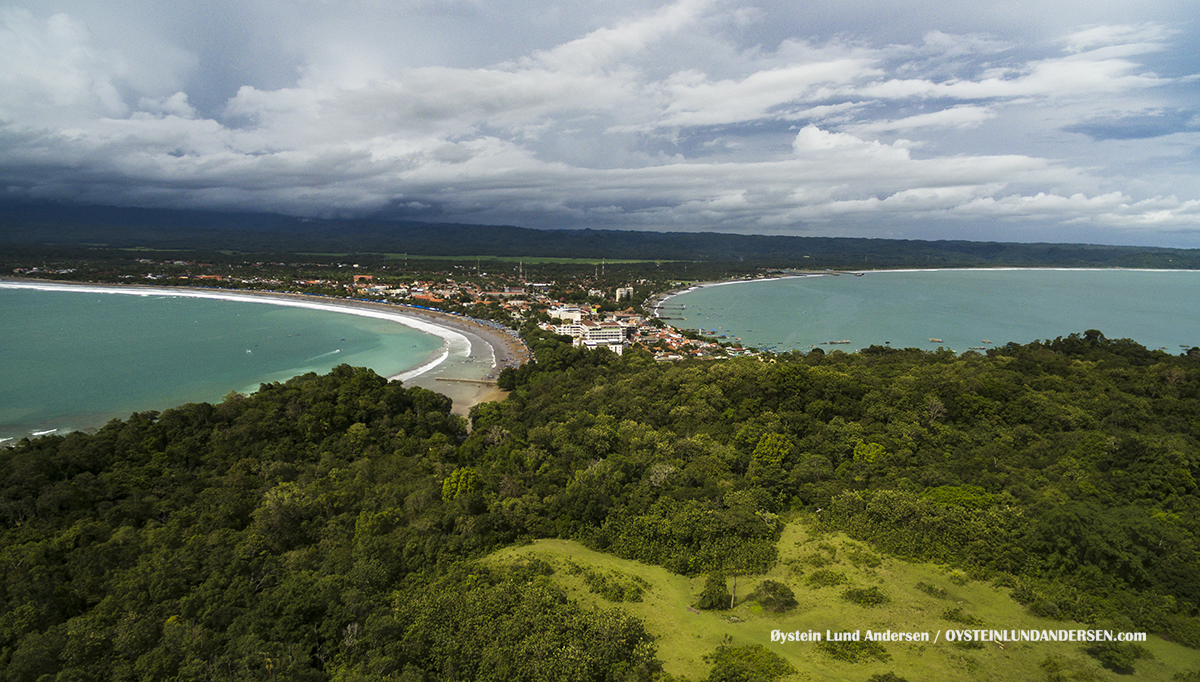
(659, 299)
(954, 325)
(472, 355)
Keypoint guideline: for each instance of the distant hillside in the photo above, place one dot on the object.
(59, 226)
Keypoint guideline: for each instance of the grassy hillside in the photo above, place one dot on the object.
(685, 636)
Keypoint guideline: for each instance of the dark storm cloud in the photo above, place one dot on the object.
(850, 117)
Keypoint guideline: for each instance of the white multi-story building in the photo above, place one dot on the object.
(602, 332)
(571, 313)
(571, 329)
(592, 334)
(610, 335)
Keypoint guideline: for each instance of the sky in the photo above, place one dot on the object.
(994, 120)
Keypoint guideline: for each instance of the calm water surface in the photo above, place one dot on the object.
(72, 360)
(962, 309)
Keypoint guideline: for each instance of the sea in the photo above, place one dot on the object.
(75, 358)
(960, 310)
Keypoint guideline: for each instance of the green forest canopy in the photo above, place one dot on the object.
(328, 528)
(60, 228)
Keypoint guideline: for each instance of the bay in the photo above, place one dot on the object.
(76, 359)
(956, 309)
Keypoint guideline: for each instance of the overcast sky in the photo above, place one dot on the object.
(1006, 120)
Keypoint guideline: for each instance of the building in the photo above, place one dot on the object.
(572, 313)
(509, 292)
(594, 334)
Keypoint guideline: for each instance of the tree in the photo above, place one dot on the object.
(716, 594)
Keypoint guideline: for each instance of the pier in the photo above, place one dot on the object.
(479, 382)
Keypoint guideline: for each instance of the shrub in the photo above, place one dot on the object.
(865, 596)
(744, 663)
(774, 596)
(956, 615)
(825, 578)
(862, 557)
(933, 591)
(1060, 669)
(614, 586)
(1118, 656)
(816, 560)
(855, 652)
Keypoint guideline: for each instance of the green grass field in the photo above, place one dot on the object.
(685, 636)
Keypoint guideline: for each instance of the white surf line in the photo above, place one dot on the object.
(418, 371)
(492, 352)
(727, 282)
(453, 342)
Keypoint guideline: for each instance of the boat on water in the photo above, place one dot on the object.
(933, 340)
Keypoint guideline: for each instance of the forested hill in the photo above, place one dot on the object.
(327, 528)
(41, 227)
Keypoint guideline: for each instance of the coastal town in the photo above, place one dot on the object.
(596, 312)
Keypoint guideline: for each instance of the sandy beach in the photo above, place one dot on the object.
(467, 375)
(472, 356)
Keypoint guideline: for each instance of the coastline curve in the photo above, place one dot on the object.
(470, 358)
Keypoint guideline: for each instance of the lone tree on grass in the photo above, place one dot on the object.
(715, 594)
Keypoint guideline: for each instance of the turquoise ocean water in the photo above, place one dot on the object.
(74, 360)
(961, 308)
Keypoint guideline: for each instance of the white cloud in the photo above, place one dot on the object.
(175, 105)
(694, 100)
(51, 68)
(1143, 38)
(683, 115)
(961, 116)
(602, 47)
